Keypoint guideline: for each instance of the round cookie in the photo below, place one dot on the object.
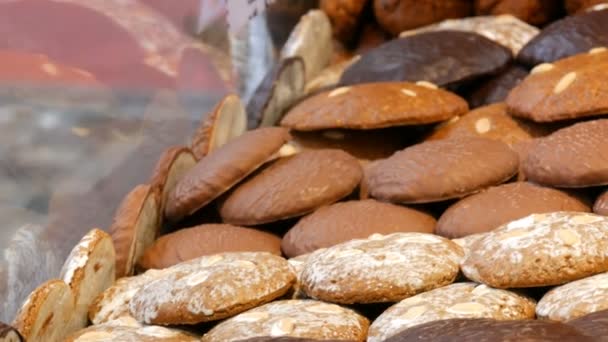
(344, 16)
(490, 330)
(492, 122)
(381, 269)
(535, 12)
(601, 204)
(574, 6)
(88, 271)
(344, 221)
(439, 170)
(207, 239)
(131, 334)
(446, 58)
(575, 299)
(460, 300)
(222, 169)
(583, 32)
(365, 145)
(570, 88)
(540, 250)
(397, 16)
(212, 288)
(293, 318)
(505, 29)
(575, 156)
(497, 88)
(480, 213)
(594, 324)
(375, 105)
(135, 227)
(9, 334)
(45, 315)
(292, 187)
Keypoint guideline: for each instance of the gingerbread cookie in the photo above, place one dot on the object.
(292, 187)
(460, 300)
(504, 29)
(422, 57)
(225, 122)
(574, 156)
(496, 88)
(293, 318)
(582, 32)
(439, 170)
(297, 266)
(575, 6)
(207, 239)
(575, 299)
(560, 91)
(397, 16)
(341, 222)
(88, 271)
(45, 316)
(479, 213)
(381, 269)
(344, 16)
(135, 227)
(131, 334)
(222, 169)
(594, 325)
(535, 12)
(375, 105)
(540, 250)
(212, 288)
(490, 330)
(601, 204)
(329, 77)
(9, 334)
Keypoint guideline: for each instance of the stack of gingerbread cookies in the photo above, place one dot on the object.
(445, 185)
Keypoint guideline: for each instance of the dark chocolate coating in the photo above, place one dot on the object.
(566, 37)
(445, 58)
(495, 89)
(593, 325)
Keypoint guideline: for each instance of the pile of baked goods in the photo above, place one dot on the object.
(446, 185)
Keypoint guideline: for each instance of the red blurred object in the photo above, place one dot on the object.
(123, 43)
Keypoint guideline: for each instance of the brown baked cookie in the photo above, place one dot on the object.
(540, 250)
(375, 105)
(381, 268)
(371, 36)
(9, 334)
(293, 318)
(292, 187)
(345, 17)
(490, 330)
(570, 88)
(341, 222)
(88, 271)
(460, 300)
(575, 6)
(135, 227)
(131, 334)
(396, 16)
(504, 29)
(112, 305)
(365, 145)
(601, 204)
(211, 288)
(222, 169)
(297, 266)
(467, 242)
(593, 325)
(490, 209)
(582, 32)
(439, 170)
(310, 39)
(535, 12)
(496, 88)
(422, 57)
(278, 91)
(575, 299)
(45, 315)
(225, 122)
(170, 168)
(492, 122)
(574, 156)
(207, 239)
(329, 76)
